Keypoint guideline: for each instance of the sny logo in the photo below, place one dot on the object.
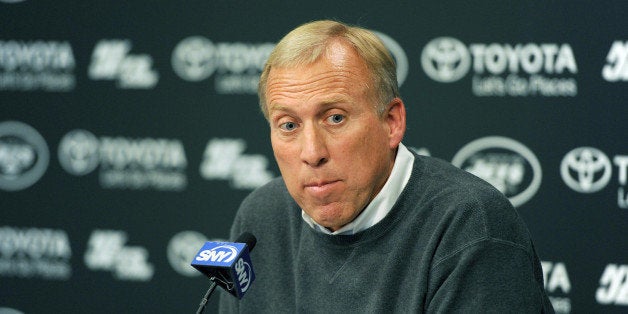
(221, 254)
(244, 274)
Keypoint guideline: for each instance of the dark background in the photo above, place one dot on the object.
(579, 236)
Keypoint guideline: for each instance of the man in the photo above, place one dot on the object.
(358, 223)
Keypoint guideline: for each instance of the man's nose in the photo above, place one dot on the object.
(314, 146)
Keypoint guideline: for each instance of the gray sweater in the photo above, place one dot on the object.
(451, 243)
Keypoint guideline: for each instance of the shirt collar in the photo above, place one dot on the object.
(383, 202)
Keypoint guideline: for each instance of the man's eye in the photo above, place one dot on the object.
(288, 126)
(336, 118)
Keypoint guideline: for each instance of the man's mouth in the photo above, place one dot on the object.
(320, 187)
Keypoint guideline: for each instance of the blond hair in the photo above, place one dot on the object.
(306, 43)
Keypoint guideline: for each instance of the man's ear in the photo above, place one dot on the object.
(395, 116)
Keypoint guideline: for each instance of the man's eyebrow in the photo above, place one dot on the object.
(334, 100)
(323, 105)
(279, 107)
(324, 102)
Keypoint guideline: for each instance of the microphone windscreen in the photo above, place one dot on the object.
(247, 238)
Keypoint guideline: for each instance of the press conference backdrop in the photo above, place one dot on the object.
(130, 132)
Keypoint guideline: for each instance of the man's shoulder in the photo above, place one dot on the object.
(268, 211)
(457, 184)
(270, 204)
(461, 200)
(268, 196)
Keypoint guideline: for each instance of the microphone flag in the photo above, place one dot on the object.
(228, 264)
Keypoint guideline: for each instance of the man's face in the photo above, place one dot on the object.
(333, 150)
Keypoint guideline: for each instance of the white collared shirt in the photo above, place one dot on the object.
(383, 201)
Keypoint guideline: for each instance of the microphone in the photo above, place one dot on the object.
(227, 264)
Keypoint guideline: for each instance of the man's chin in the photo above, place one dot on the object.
(329, 218)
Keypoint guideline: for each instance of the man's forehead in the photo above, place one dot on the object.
(337, 54)
(337, 77)
(323, 100)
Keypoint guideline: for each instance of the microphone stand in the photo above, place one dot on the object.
(203, 304)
